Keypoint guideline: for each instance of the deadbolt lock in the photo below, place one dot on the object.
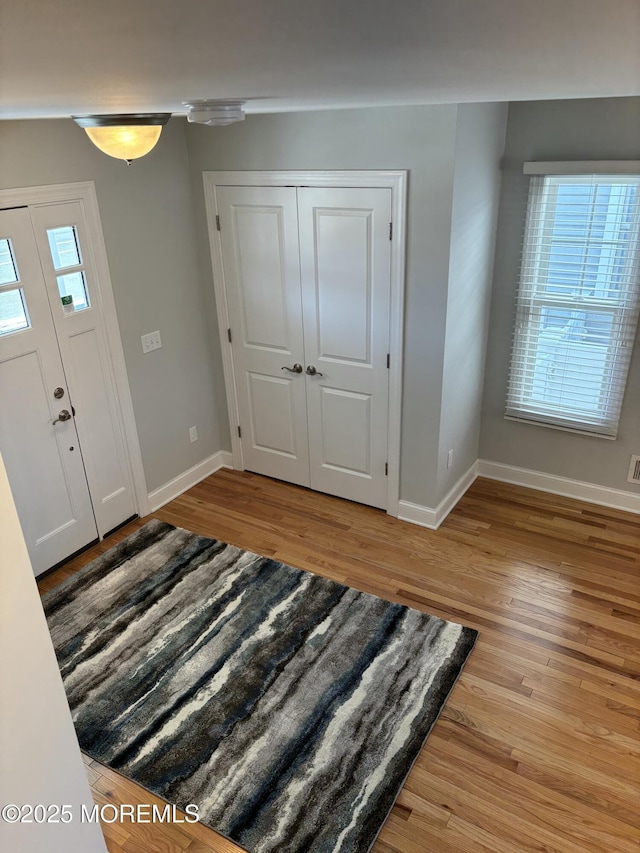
(58, 393)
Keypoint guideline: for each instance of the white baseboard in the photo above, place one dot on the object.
(432, 518)
(174, 488)
(590, 492)
(425, 516)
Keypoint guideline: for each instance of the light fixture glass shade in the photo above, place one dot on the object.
(124, 143)
(125, 137)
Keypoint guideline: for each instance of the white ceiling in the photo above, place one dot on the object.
(63, 57)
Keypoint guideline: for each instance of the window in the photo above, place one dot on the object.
(8, 271)
(65, 253)
(74, 286)
(63, 243)
(13, 313)
(577, 307)
(13, 316)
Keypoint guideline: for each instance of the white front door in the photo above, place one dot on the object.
(307, 276)
(37, 429)
(66, 249)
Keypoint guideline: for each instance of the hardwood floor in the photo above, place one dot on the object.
(538, 747)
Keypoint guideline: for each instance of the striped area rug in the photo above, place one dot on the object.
(287, 707)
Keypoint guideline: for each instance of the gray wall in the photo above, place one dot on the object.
(158, 251)
(421, 139)
(476, 192)
(149, 228)
(603, 129)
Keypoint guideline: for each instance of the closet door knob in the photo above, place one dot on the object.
(297, 368)
(311, 371)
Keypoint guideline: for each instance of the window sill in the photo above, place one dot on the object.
(575, 430)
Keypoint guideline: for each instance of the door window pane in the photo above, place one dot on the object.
(74, 285)
(63, 243)
(13, 315)
(8, 272)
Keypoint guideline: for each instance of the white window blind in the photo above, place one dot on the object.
(578, 299)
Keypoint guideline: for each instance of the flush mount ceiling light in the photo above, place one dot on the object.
(214, 113)
(125, 137)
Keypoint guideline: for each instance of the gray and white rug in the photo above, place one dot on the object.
(287, 707)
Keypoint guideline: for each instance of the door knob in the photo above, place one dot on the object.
(297, 368)
(311, 371)
(64, 415)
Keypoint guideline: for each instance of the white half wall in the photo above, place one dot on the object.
(41, 761)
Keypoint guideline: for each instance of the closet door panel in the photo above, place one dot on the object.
(345, 259)
(259, 236)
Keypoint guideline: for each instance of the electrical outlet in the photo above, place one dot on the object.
(193, 434)
(450, 459)
(151, 341)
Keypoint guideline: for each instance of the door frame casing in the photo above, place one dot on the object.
(85, 193)
(396, 181)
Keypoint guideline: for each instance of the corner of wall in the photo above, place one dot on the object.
(480, 138)
(194, 475)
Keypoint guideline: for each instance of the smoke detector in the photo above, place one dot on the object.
(214, 113)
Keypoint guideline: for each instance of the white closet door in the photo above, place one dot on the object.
(259, 236)
(37, 429)
(345, 258)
